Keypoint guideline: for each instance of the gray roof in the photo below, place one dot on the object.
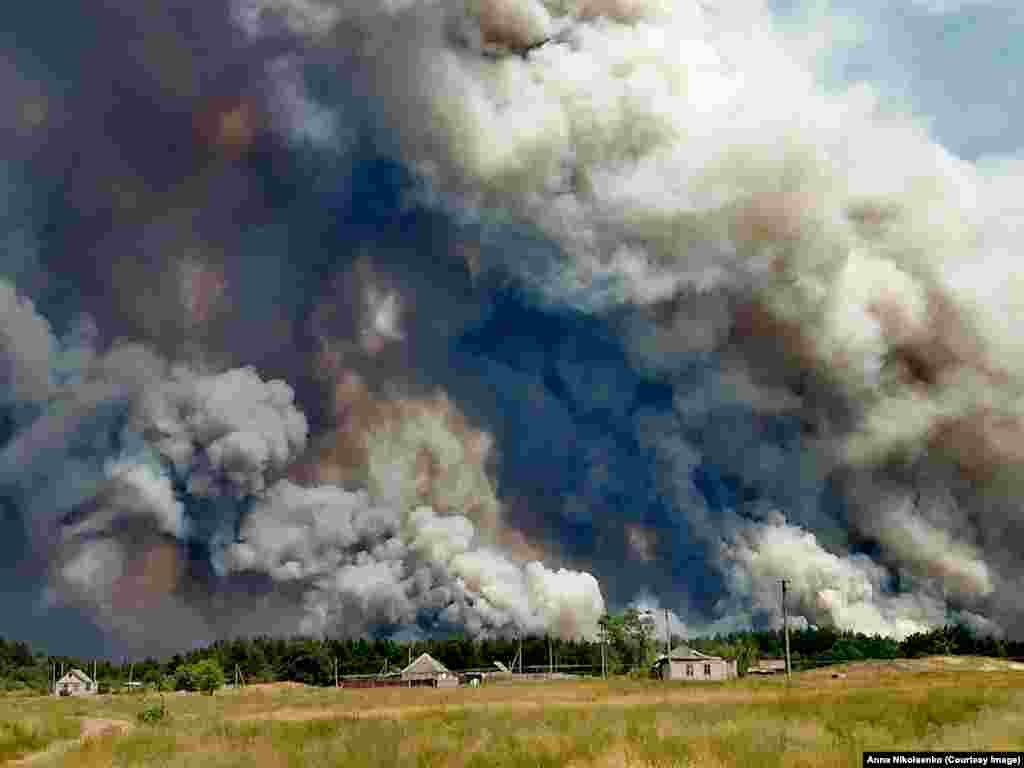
(75, 673)
(686, 653)
(425, 664)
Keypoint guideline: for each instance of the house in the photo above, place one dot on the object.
(765, 666)
(684, 663)
(75, 683)
(426, 670)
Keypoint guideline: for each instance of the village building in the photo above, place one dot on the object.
(426, 670)
(684, 663)
(75, 683)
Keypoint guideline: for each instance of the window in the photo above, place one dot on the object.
(707, 670)
(689, 670)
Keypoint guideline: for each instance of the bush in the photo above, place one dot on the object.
(153, 713)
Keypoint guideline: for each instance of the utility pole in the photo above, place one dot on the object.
(668, 639)
(604, 645)
(551, 658)
(335, 660)
(785, 628)
(520, 653)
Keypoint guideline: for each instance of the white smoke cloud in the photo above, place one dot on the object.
(411, 452)
(663, 627)
(928, 549)
(229, 430)
(363, 564)
(848, 593)
(142, 489)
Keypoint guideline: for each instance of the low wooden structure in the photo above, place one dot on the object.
(424, 672)
(766, 666)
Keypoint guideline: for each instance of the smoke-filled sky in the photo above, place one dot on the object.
(404, 317)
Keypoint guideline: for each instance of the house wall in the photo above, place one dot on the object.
(75, 688)
(703, 669)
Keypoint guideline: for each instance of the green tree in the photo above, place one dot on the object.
(184, 680)
(639, 629)
(614, 631)
(207, 676)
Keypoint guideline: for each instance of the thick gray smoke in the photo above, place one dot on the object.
(254, 378)
(26, 349)
(224, 432)
(840, 267)
(365, 565)
(353, 565)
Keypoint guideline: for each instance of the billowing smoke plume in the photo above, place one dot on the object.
(364, 565)
(339, 316)
(840, 268)
(353, 565)
(227, 431)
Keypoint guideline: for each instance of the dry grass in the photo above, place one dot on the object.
(817, 721)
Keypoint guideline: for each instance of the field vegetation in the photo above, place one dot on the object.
(819, 719)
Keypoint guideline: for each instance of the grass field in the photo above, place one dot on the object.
(818, 720)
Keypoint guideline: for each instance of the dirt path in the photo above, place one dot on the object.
(92, 728)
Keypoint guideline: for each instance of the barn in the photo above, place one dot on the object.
(75, 683)
(684, 663)
(426, 670)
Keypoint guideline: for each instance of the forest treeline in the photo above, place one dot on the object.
(631, 646)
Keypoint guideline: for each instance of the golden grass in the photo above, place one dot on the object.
(23, 732)
(817, 721)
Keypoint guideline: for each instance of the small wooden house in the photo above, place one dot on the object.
(75, 683)
(426, 670)
(684, 663)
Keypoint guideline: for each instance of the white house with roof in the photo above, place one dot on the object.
(684, 663)
(75, 683)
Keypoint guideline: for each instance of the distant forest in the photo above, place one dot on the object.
(631, 647)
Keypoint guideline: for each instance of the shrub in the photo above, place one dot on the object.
(153, 713)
